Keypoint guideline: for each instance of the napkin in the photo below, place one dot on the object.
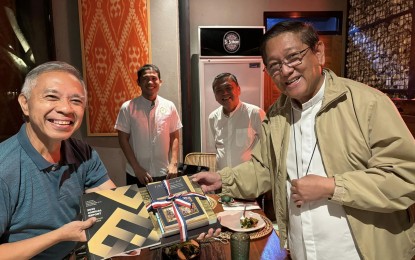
(239, 205)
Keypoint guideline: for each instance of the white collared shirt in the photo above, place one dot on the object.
(318, 230)
(233, 137)
(149, 125)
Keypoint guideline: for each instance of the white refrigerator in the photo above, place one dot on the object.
(250, 75)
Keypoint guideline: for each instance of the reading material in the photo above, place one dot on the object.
(191, 232)
(195, 216)
(123, 223)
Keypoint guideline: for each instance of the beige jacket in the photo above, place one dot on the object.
(368, 149)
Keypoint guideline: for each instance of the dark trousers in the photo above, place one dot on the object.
(133, 180)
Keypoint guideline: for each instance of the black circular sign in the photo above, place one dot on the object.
(231, 41)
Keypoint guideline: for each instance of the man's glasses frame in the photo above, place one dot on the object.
(293, 60)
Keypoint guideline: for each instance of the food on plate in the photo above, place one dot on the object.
(182, 251)
(249, 222)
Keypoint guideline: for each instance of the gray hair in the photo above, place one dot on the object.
(32, 76)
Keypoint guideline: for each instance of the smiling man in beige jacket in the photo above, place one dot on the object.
(336, 154)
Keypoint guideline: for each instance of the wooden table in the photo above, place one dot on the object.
(267, 247)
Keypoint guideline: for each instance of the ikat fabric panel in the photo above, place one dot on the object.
(116, 42)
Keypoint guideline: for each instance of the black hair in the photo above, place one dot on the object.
(145, 67)
(224, 75)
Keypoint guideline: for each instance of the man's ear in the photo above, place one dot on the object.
(23, 101)
(319, 52)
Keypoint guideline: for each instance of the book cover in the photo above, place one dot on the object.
(195, 216)
(192, 233)
(206, 204)
(123, 223)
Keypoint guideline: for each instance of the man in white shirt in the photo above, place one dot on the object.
(148, 131)
(235, 126)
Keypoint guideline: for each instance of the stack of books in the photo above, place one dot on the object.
(124, 224)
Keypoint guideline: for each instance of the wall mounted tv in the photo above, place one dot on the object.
(329, 22)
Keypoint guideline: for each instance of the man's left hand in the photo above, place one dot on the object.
(211, 233)
(172, 170)
(311, 188)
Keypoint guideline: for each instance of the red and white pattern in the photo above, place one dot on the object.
(115, 39)
(175, 201)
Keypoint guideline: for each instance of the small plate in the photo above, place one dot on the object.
(231, 220)
(220, 201)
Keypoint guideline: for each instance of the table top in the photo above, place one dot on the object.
(266, 247)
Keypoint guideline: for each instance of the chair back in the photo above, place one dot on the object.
(202, 159)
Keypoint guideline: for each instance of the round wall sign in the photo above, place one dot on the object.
(231, 41)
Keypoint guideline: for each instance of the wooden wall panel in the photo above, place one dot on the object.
(380, 50)
(271, 92)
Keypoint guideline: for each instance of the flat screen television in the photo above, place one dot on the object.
(329, 22)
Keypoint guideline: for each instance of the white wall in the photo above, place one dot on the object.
(165, 49)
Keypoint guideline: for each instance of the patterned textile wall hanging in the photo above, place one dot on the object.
(115, 43)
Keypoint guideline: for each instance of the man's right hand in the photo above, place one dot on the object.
(209, 181)
(143, 176)
(75, 230)
(29, 248)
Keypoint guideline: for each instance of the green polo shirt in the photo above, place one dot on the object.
(37, 196)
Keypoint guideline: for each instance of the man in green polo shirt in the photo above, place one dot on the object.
(43, 171)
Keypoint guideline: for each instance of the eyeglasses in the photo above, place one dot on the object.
(291, 61)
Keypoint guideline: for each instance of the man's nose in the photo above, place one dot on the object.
(65, 105)
(285, 69)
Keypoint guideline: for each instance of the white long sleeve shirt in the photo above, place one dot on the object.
(319, 229)
(233, 137)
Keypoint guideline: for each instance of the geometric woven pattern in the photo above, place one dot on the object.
(115, 39)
